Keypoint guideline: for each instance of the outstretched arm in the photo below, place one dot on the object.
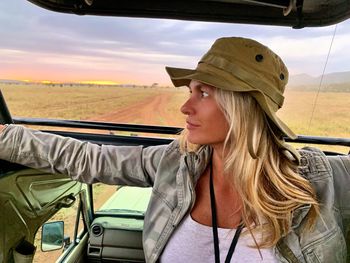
(83, 161)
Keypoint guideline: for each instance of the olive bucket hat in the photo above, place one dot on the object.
(243, 65)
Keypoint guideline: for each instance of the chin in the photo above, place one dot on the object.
(196, 140)
(205, 140)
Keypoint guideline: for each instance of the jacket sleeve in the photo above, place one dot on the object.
(82, 161)
(341, 176)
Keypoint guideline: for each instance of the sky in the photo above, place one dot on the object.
(41, 45)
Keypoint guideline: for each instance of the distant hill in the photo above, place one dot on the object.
(301, 79)
(337, 77)
(337, 82)
(332, 82)
(11, 81)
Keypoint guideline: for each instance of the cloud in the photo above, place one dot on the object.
(115, 44)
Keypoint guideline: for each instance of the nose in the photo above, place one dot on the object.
(187, 108)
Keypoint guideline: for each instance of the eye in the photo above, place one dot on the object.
(204, 94)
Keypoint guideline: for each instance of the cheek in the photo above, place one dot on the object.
(224, 127)
(214, 129)
(218, 123)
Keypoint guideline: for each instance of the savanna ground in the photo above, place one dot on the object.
(160, 106)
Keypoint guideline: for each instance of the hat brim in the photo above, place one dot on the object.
(183, 77)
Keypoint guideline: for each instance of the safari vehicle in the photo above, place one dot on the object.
(112, 233)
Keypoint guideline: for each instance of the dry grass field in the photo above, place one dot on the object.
(160, 106)
(79, 103)
(331, 113)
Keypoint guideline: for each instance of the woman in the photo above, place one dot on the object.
(230, 190)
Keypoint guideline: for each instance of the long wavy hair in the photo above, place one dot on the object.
(268, 184)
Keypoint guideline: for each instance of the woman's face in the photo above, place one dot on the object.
(206, 123)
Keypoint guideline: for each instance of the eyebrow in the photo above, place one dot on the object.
(199, 86)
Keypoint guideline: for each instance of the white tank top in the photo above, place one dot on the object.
(193, 242)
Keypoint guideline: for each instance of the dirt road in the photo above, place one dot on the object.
(152, 111)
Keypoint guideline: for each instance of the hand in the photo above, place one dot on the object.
(2, 127)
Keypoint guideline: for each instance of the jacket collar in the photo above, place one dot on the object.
(198, 161)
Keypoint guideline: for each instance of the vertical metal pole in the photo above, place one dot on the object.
(5, 116)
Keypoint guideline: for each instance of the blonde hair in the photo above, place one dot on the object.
(269, 185)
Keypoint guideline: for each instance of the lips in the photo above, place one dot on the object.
(191, 125)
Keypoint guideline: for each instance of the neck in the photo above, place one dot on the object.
(224, 188)
(221, 179)
(218, 162)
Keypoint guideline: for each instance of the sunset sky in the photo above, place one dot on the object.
(40, 45)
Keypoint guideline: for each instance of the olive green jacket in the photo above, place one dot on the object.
(173, 177)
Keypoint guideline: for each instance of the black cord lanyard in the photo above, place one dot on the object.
(215, 226)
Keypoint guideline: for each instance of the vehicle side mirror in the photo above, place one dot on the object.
(52, 236)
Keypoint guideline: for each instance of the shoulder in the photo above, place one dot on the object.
(161, 153)
(314, 165)
(164, 149)
(174, 146)
(167, 153)
(340, 164)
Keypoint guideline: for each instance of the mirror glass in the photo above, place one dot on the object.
(52, 236)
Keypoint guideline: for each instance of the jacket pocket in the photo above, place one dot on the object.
(331, 247)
